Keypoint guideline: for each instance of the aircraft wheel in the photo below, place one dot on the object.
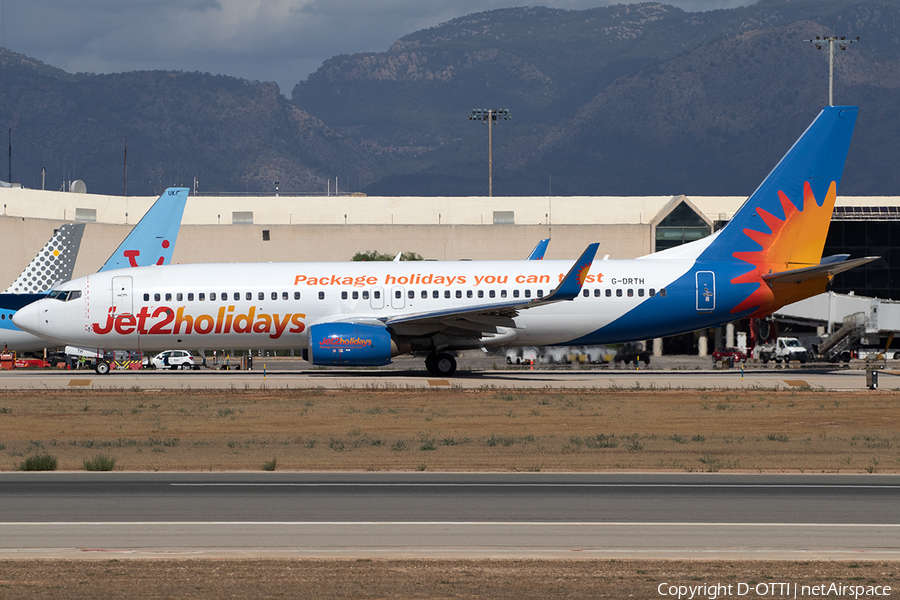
(429, 363)
(102, 367)
(444, 365)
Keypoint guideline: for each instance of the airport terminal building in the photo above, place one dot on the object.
(244, 228)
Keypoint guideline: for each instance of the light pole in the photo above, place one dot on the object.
(489, 115)
(842, 42)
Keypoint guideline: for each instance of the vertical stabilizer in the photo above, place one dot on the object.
(152, 241)
(783, 225)
(53, 264)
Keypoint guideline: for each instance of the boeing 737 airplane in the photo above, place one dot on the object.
(150, 242)
(365, 313)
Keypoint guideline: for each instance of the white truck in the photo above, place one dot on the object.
(784, 349)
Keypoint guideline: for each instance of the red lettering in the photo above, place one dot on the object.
(132, 256)
(279, 326)
(244, 323)
(109, 323)
(297, 322)
(204, 324)
(142, 318)
(181, 318)
(168, 317)
(125, 324)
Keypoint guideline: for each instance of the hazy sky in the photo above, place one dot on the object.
(271, 40)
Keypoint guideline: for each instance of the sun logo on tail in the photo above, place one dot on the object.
(794, 242)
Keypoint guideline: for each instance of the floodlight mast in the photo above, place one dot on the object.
(489, 115)
(842, 43)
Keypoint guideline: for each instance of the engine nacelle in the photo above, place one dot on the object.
(348, 344)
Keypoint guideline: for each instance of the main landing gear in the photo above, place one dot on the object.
(443, 364)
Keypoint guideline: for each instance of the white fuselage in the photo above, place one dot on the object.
(272, 305)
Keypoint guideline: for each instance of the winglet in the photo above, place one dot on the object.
(571, 284)
(152, 241)
(538, 252)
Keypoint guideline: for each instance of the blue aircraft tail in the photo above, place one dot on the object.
(783, 224)
(152, 240)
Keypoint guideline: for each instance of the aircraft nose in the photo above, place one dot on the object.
(28, 318)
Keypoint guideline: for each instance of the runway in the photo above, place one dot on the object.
(450, 515)
(732, 379)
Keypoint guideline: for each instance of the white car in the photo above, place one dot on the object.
(173, 359)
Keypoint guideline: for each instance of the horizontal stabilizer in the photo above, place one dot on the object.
(816, 272)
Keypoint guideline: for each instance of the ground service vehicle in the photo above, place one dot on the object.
(785, 349)
(174, 359)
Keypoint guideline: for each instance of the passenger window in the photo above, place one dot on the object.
(156, 297)
(274, 295)
(261, 296)
(411, 294)
(356, 295)
(190, 296)
(321, 295)
(619, 292)
(224, 296)
(248, 296)
(540, 293)
(662, 292)
(365, 294)
(376, 294)
(630, 292)
(435, 294)
(146, 297)
(237, 296)
(586, 293)
(424, 294)
(597, 293)
(201, 296)
(608, 292)
(284, 295)
(468, 293)
(459, 293)
(503, 293)
(528, 293)
(398, 294)
(515, 293)
(481, 293)
(179, 297)
(343, 295)
(296, 295)
(446, 293)
(652, 292)
(492, 293)
(641, 292)
(168, 297)
(212, 296)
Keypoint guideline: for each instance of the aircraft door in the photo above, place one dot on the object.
(121, 295)
(377, 298)
(397, 300)
(706, 291)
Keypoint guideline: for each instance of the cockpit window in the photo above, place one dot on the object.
(64, 295)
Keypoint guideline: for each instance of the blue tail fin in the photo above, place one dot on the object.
(152, 241)
(784, 222)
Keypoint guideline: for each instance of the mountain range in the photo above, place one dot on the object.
(640, 99)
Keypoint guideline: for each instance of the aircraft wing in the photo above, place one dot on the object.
(486, 318)
(828, 269)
